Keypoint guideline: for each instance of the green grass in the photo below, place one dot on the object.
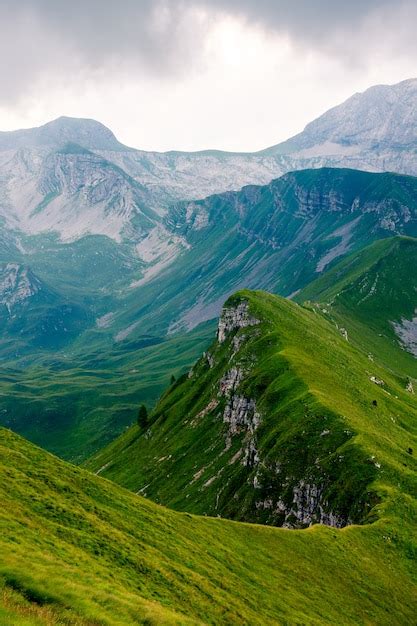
(74, 405)
(319, 425)
(78, 549)
(368, 291)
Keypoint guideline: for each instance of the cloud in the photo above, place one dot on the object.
(233, 74)
(348, 30)
(53, 38)
(166, 38)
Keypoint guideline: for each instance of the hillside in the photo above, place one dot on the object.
(372, 294)
(78, 549)
(282, 421)
(277, 237)
(117, 236)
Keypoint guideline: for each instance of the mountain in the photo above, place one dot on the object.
(132, 258)
(33, 316)
(76, 548)
(70, 165)
(87, 133)
(278, 237)
(375, 124)
(372, 294)
(282, 421)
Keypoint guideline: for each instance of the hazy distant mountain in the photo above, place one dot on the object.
(87, 133)
(384, 117)
(72, 176)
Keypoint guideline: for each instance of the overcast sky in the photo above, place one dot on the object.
(193, 74)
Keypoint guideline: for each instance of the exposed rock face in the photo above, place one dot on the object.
(307, 508)
(294, 500)
(241, 414)
(16, 285)
(230, 381)
(406, 330)
(234, 318)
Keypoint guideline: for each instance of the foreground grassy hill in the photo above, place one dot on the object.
(78, 549)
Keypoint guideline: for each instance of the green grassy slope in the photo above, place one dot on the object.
(369, 291)
(73, 405)
(276, 237)
(314, 438)
(77, 549)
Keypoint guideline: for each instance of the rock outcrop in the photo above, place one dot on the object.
(233, 318)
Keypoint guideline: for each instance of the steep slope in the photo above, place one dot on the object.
(68, 189)
(373, 295)
(277, 237)
(78, 549)
(282, 421)
(381, 120)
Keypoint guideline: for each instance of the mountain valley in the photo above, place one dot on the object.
(208, 385)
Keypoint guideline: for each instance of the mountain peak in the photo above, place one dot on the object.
(88, 133)
(383, 115)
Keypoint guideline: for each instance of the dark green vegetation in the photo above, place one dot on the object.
(278, 237)
(77, 549)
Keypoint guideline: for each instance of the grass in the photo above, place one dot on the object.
(319, 424)
(74, 406)
(78, 549)
(366, 293)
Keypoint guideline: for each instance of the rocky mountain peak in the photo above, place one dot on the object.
(85, 132)
(381, 116)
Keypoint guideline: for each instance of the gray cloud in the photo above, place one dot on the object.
(50, 38)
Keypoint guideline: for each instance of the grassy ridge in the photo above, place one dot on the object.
(78, 549)
(323, 421)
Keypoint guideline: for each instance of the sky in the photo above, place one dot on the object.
(197, 74)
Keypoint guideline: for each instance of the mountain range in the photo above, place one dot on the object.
(262, 309)
(116, 259)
